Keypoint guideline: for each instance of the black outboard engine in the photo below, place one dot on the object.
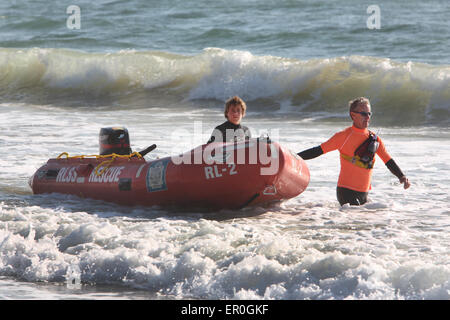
(114, 140)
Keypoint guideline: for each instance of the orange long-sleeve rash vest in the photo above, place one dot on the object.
(346, 141)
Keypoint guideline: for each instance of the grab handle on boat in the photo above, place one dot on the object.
(270, 191)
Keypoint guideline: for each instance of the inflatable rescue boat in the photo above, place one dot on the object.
(216, 175)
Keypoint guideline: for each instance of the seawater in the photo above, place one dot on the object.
(163, 70)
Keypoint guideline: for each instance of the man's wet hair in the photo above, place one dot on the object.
(353, 104)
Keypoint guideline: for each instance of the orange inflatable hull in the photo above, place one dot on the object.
(229, 175)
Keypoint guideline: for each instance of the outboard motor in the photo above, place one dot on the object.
(114, 140)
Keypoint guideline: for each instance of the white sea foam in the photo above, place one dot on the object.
(325, 254)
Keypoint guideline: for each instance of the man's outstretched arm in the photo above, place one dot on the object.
(311, 153)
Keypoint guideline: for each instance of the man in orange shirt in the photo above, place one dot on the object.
(357, 147)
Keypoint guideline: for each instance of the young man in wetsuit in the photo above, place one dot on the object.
(357, 147)
(232, 130)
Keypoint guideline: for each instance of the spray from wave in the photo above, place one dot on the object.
(417, 93)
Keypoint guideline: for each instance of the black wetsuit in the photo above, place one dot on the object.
(229, 132)
(352, 197)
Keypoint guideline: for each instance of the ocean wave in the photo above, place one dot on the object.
(416, 93)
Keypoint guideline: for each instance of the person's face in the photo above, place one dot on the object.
(235, 114)
(361, 121)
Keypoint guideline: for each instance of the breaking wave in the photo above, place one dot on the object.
(416, 93)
